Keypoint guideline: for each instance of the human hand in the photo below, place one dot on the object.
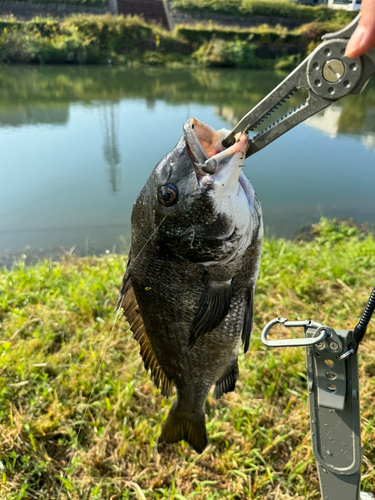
(363, 39)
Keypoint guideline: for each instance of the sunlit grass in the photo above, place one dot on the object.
(56, 319)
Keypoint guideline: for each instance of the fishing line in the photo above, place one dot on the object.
(90, 398)
(141, 250)
(100, 365)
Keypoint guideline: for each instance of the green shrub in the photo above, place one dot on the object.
(241, 54)
(10, 24)
(63, 49)
(46, 27)
(153, 58)
(16, 47)
(113, 33)
(217, 52)
(315, 30)
(83, 39)
(166, 41)
(21, 47)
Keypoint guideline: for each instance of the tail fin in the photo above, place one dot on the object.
(184, 425)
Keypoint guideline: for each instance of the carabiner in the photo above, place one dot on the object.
(319, 335)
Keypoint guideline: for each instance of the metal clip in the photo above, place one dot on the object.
(319, 334)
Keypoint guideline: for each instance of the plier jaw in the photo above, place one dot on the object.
(327, 75)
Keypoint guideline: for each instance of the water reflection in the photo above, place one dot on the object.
(111, 152)
(46, 85)
(67, 134)
(34, 115)
(32, 95)
(338, 119)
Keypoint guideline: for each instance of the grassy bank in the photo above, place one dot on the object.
(270, 8)
(129, 40)
(56, 319)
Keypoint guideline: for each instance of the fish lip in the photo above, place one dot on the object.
(191, 137)
(205, 148)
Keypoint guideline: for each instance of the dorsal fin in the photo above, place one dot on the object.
(213, 306)
(128, 302)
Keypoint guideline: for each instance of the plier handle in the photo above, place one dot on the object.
(327, 74)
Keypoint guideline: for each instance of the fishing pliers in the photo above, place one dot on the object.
(327, 74)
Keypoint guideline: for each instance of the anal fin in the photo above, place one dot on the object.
(227, 383)
(213, 306)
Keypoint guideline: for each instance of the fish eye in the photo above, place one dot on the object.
(168, 195)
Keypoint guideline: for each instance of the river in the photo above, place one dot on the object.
(78, 143)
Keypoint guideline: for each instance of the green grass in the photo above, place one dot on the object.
(273, 8)
(55, 321)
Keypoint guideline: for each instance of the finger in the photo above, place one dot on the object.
(363, 39)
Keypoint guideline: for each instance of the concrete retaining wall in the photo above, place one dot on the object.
(25, 10)
(178, 17)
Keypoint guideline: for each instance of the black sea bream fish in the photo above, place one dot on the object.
(188, 290)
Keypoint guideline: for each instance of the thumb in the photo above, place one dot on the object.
(363, 39)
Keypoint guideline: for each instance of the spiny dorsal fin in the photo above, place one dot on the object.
(247, 327)
(213, 306)
(128, 302)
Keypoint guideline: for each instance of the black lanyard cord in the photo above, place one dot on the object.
(360, 329)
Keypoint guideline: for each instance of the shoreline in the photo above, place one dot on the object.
(118, 40)
(303, 235)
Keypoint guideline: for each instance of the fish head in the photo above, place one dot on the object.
(197, 204)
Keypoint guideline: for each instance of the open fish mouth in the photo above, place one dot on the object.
(205, 148)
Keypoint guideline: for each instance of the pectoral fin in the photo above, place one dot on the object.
(128, 302)
(213, 306)
(248, 319)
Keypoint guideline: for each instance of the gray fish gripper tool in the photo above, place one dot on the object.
(334, 406)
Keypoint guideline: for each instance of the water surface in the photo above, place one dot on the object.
(78, 143)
